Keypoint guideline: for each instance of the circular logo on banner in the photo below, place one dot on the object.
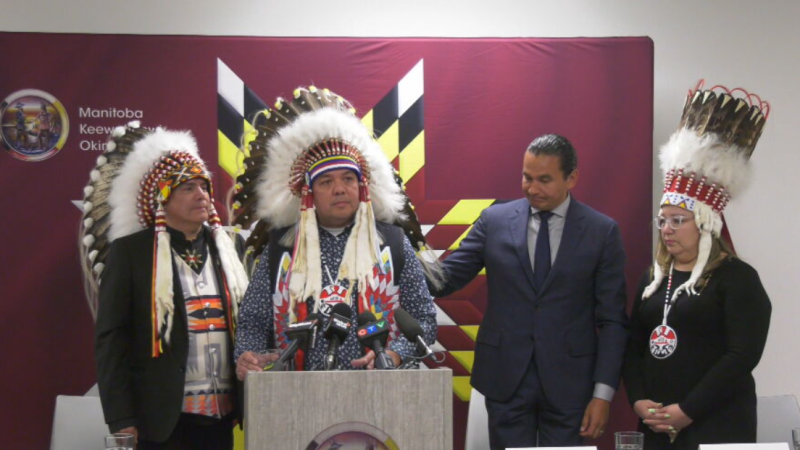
(352, 435)
(34, 125)
(663, 341)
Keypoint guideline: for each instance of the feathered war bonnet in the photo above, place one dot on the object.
(126, 193)
(705, 163)
(298, 140)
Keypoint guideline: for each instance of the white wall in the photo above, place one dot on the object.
(753, 44)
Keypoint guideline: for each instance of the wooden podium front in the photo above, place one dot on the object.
(411, 409)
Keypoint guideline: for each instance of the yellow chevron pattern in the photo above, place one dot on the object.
(412, 159)
(465, 212)
(462, 388)
(390, 141)
(471, 330)
(465, 358)
(229, 157)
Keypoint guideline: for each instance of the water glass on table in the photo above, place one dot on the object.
(629, 440)
(796, 438)
(119, 441)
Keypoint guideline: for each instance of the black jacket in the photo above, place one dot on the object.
(135, 388)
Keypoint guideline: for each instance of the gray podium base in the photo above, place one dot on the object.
(288, 410)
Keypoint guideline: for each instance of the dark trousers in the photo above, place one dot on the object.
(528, 419)
(195, 433)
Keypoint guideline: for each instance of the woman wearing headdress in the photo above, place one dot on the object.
(701, 315)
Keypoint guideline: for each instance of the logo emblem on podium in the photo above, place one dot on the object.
(352, 435)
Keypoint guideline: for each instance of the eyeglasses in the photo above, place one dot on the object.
(674, 222)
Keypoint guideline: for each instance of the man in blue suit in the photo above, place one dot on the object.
(550, 348)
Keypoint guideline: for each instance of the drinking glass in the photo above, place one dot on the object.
(796, 438)
(629, 440)
(119, 441)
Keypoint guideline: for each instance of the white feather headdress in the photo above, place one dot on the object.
(126, 193)
(705, 163)
(281, 206)
(273, 190)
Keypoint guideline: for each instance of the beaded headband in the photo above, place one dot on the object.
(169, 172)
(325, 156)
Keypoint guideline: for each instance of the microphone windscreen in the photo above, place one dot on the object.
(339, 322)
(342, 309)
(407, 324)
(365, 318)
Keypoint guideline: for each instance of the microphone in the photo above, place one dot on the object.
(412, 331)
(336, 331)
(373, 333)
(300, 333)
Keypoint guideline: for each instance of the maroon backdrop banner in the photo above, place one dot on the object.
(484, 100)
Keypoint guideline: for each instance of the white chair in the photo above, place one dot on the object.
(93, 391)
(477, 423)
(776, 417)
(78, 424)
(761, 446)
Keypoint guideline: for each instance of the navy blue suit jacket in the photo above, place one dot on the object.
(575, 328)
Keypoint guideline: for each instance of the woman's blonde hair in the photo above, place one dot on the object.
(720, 251)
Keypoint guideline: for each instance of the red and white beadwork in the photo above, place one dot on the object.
(664, 338)
(683, 191)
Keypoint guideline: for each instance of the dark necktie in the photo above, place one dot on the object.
(541, 260)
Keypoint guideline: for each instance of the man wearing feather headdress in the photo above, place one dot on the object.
(168, 288)
(329, 207)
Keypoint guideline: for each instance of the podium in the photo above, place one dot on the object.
(403, 409)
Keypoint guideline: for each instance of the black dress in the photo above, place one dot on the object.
(721, 334)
